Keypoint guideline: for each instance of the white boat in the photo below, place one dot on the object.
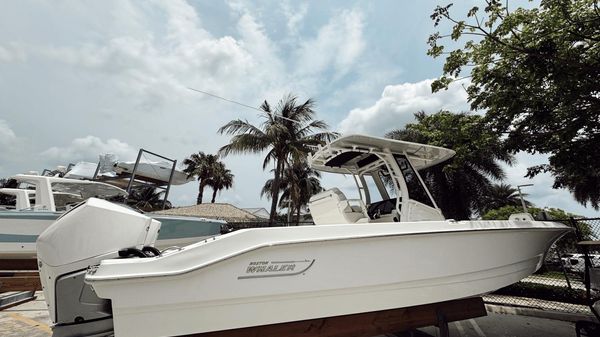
(22, 197)
(82, 170)
(156, 171)
(362, 256)
(20, 227)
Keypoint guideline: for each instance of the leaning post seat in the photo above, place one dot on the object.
(331, 207)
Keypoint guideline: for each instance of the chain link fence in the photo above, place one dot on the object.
(559, 284)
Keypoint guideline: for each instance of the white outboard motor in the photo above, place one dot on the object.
(90, 232)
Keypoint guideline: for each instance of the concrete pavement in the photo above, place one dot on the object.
(498, 325)
(29, 319)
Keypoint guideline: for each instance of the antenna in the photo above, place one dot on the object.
(244, 105)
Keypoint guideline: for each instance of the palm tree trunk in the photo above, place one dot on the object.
(275, 192)
(200, 191)
(214, 196)
(298, 215)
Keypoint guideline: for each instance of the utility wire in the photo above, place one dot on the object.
(245, 105)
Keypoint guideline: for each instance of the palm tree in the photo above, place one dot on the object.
(202, 166)
(459, 185)
(287, 133)
(222, 178)
(298, 183)
(147, 199)
(500, 195)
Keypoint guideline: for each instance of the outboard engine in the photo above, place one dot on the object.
(90, 232)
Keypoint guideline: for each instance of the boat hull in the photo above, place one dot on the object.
(154, 171)
(19, 231)
(266, 276)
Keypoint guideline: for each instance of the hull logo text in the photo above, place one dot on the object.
(259, 269)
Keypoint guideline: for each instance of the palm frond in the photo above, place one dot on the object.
(244, 143)
(239, 126)
(270, 156)
(286, 141)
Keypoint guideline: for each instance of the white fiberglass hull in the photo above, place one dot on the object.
(19, 230)
(274, 275)
(156, 171)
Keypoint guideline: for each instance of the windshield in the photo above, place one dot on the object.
(416, 190)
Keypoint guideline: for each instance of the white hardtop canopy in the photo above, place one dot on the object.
(48, 188)
(349, 153)
(22, 196)
(387, 166)
(84, 188)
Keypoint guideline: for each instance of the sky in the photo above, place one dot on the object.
(83, 78)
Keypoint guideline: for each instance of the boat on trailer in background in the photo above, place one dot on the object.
(155, 171)
(363, 255)
(52, 196)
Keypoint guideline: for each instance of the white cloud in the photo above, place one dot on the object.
(541, 194)
(12, 53)
(256, 42)
(338, 44)
(88, 148)
(7, 135)
(294, 15)
(397, 105)
(9, 144)
(153, 66)
(152, 69)
(361, 93)
(183, 22)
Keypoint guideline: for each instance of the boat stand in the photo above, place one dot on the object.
(140, 180)
(19, 280)
(442, 324)
(14, 299)
(388, 322)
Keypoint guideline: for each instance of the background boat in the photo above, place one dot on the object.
(19, 228)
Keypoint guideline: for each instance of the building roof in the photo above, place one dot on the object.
(219, 211)
(260, 212)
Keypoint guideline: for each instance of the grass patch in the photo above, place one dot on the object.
(544, 292)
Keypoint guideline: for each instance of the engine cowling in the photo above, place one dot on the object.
(82, 237)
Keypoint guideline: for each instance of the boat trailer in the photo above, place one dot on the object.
(385, 322)
(19, 280)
